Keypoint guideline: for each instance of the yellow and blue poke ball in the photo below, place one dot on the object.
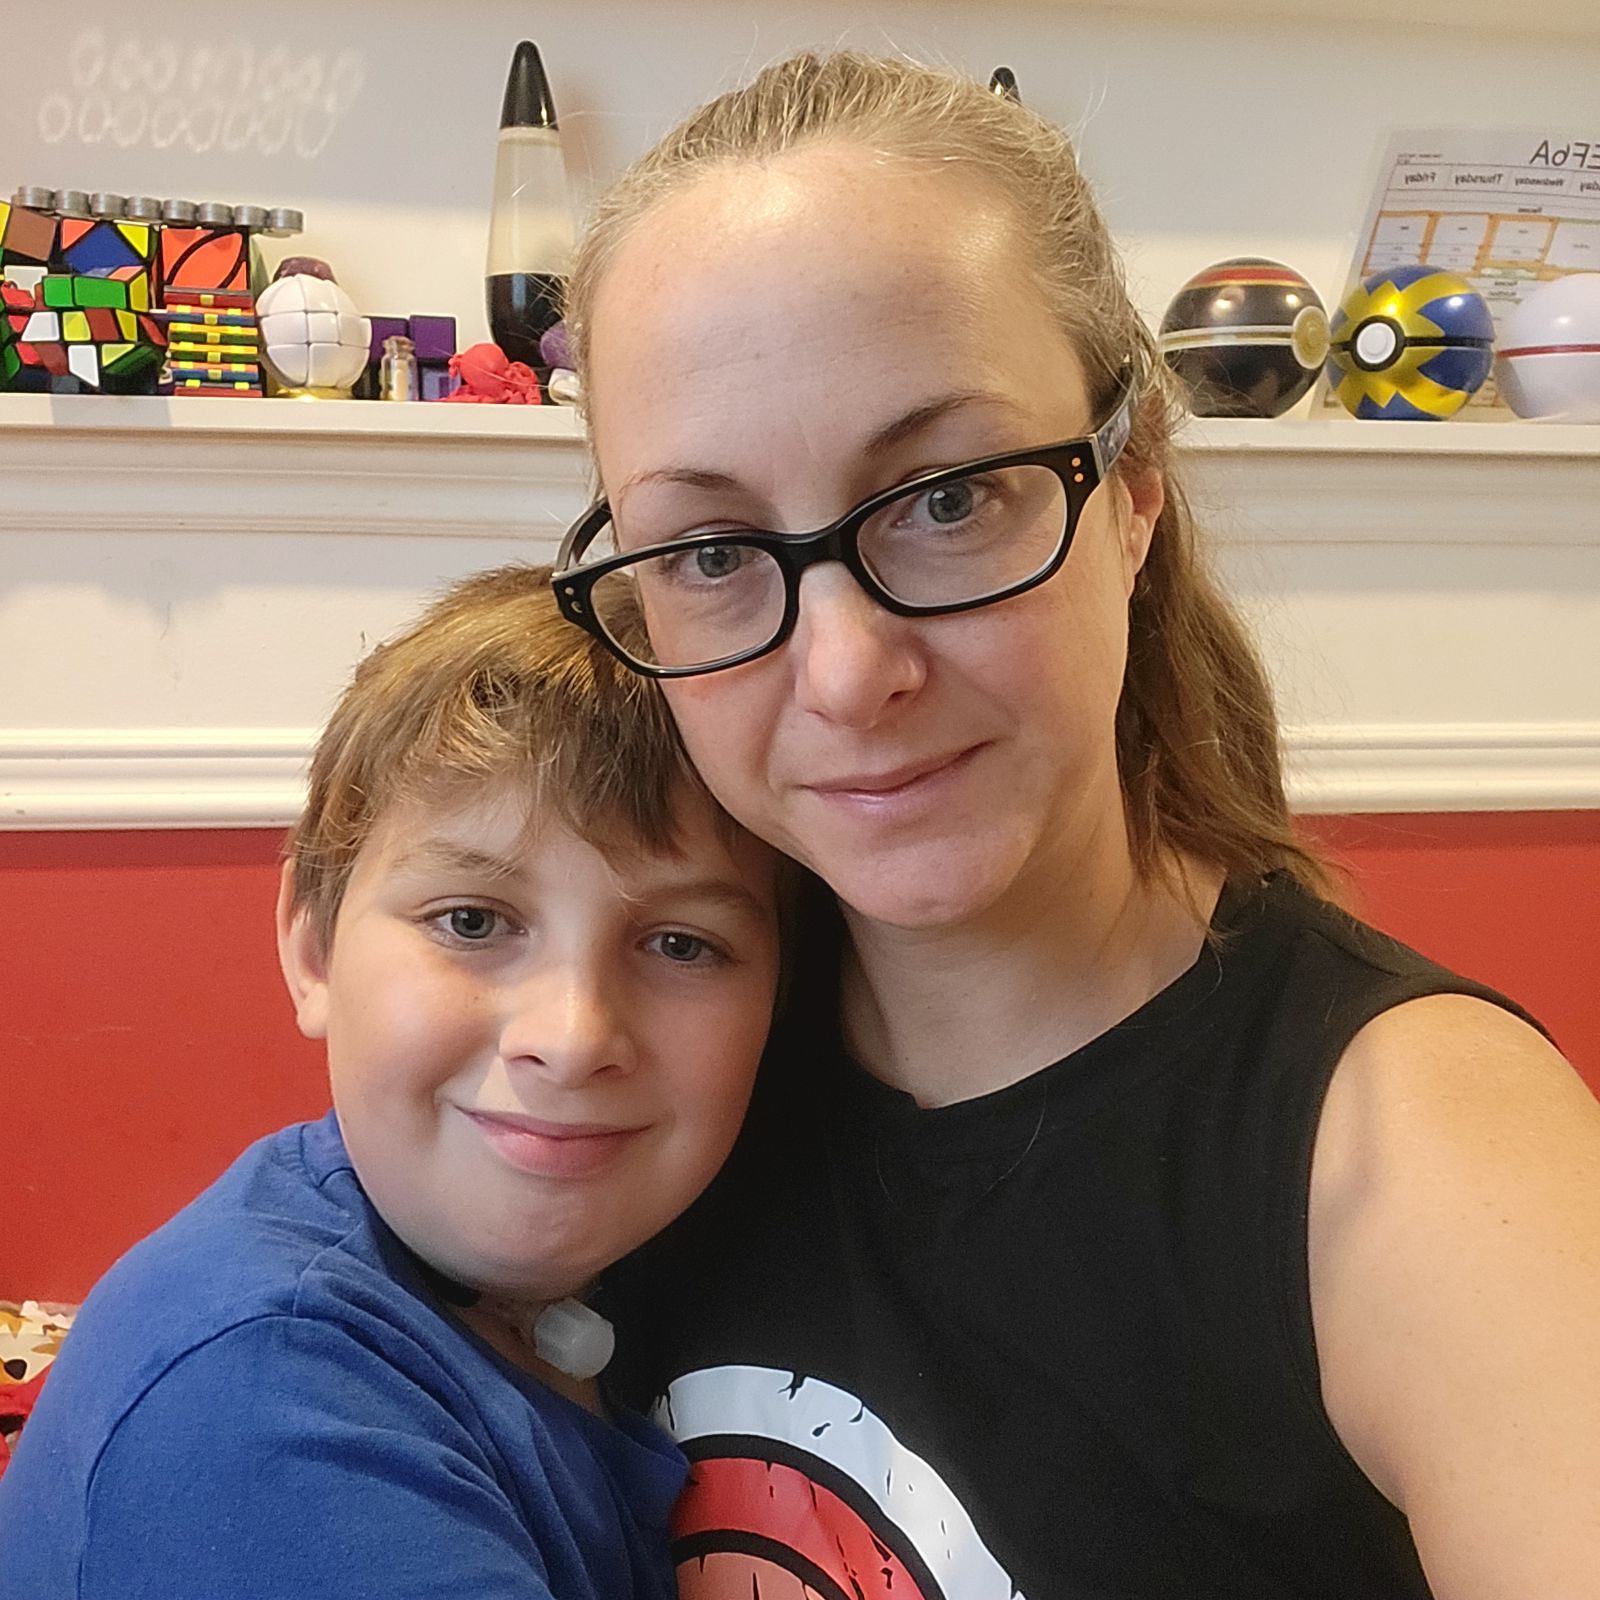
(1548, 363)
(1248, 336)
(1412, 344)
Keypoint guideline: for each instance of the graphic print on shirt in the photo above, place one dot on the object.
(797, 1492)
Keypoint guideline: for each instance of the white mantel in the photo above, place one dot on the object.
(185, 585)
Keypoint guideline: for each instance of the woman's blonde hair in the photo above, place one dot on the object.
(1196, 732)
(490, 686)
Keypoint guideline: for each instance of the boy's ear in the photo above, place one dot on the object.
(304, 961)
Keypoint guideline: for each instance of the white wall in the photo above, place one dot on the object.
(1207, 135)
(166, 624)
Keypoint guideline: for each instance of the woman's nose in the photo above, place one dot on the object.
(561, 1024)
(854, 660)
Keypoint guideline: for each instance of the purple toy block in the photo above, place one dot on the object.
(387, 328)
(435, 382)
(434, 337)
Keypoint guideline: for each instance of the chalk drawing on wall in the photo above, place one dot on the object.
(230, 95)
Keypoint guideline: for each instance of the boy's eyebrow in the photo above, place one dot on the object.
(436, 854)
(724, 892)
(433, 854)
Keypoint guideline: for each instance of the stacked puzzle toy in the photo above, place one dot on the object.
(213, 345)
(115, 295)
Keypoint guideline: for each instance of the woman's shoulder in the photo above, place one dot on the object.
(1290, 949)
(1455, 1277)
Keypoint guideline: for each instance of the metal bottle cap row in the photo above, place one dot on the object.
(279, 222)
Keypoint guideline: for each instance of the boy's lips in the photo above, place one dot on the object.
(552, 1149)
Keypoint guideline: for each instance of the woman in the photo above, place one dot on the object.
(1145, 1226)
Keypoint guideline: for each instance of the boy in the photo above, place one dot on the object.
(544, 965)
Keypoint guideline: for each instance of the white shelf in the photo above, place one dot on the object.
(345, 466)
(1505, 440)
(358, 421)
(310, 419)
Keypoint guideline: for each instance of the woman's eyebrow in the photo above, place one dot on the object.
(912, 422)
(891, 434)
(694, 477)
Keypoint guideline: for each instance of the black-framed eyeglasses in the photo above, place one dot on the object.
(951, 540)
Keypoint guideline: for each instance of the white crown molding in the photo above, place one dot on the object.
(71, 778)
(76, 464)
(1444, 766)
(77, 778)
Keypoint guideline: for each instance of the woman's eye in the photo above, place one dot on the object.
(685, 948)
(718, 560)
(950, 502)
(471, 924)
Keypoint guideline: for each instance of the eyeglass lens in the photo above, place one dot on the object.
(942, 546)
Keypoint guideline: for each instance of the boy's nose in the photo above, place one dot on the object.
(853, 659)
(561, 1026)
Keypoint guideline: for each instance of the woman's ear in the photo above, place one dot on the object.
(1143, 494)
(303, 959)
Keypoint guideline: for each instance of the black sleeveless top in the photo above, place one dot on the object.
(1055, 1341)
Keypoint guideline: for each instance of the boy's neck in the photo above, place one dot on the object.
(507, 1328)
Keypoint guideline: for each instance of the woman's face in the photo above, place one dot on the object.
(771, 346)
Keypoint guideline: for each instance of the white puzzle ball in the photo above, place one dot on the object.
(312, 336)
(1548, 361)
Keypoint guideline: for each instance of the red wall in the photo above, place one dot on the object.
(145, 1037)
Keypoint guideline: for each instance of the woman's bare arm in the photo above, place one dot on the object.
(1455, 1288)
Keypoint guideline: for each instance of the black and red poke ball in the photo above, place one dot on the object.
(1248, 336)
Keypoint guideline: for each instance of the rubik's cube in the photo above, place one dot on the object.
(87, 329)
(27, 238)
(87, 322)
(16, 306)
(213, 342)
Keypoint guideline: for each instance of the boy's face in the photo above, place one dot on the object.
(539, 1057)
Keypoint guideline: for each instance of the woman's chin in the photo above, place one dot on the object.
(920, 895)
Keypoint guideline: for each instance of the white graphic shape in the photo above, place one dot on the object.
(816, 1418)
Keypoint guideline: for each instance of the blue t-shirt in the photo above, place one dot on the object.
(264, 1398)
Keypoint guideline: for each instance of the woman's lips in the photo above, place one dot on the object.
(896, 788)
(552, 1149)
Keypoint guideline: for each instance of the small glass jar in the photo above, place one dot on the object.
(397, 369)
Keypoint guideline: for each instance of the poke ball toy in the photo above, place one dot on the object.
(1248, 336)
(1410, 345)
(314, 341)
(1549, 360)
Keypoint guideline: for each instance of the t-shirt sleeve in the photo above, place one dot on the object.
(286, 1458)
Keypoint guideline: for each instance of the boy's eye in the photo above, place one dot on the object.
(682, 947)
(471, 923)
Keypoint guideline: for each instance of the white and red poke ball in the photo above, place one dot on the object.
(1248, 337)
(1548, 363)
(313, 339)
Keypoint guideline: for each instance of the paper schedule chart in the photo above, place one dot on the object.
(1506, 210)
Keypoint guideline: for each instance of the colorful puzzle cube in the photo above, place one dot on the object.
(28, 237)
(197, 259)
(98, 249)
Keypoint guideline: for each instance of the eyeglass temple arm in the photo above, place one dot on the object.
(1111, 438)
(566, 554)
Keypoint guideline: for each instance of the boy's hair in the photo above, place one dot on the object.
(491, 685)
